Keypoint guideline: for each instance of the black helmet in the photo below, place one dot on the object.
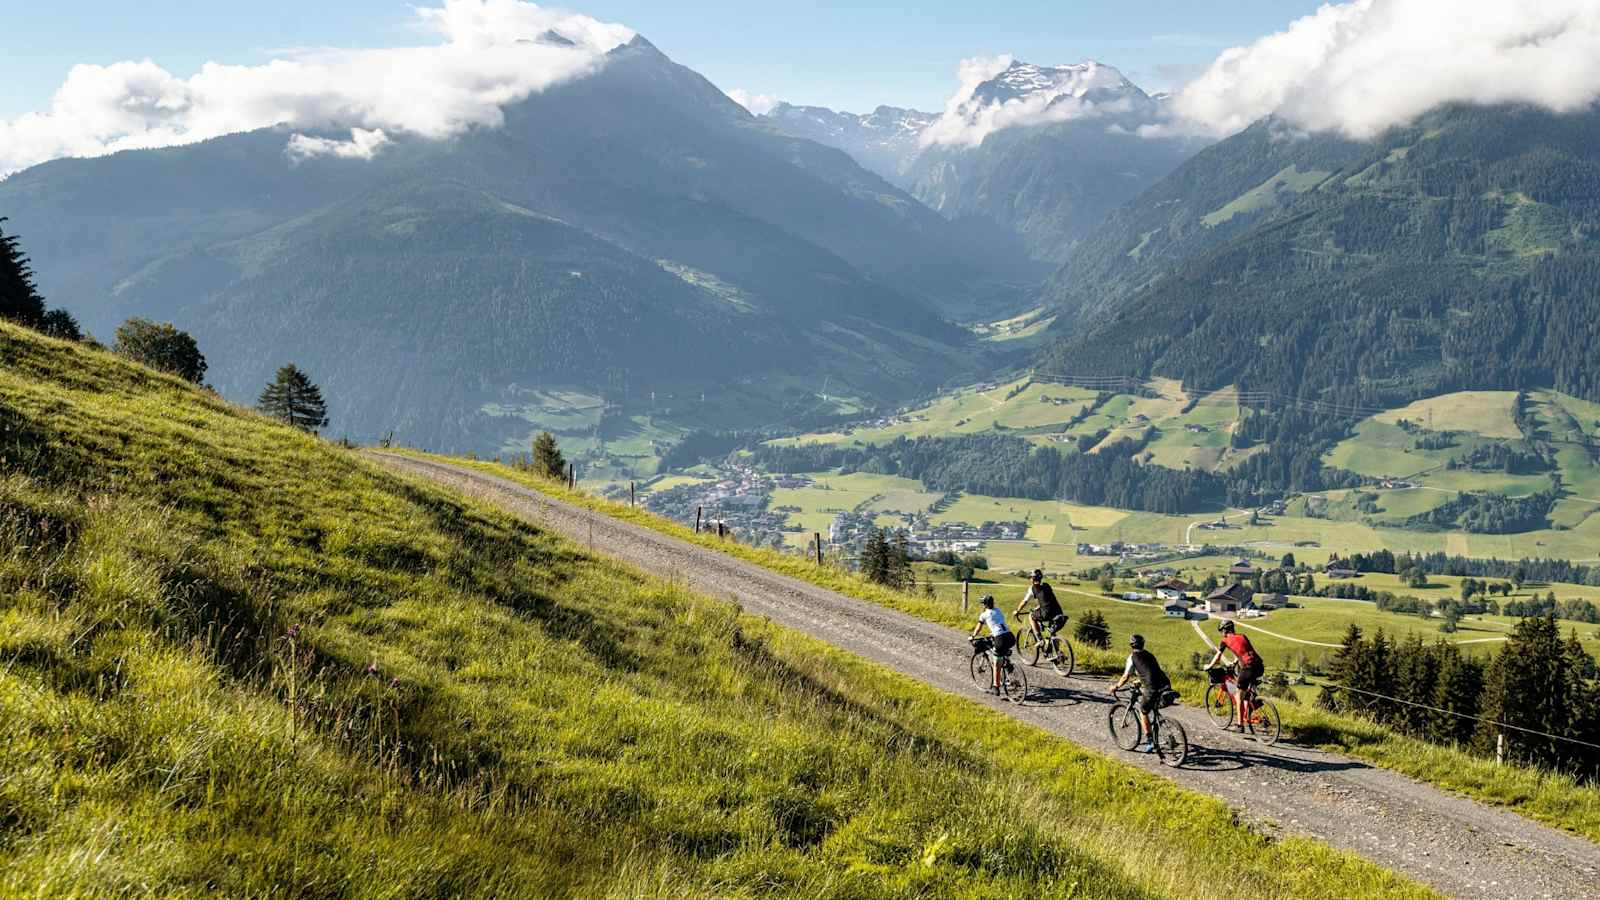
(987, 601)
(1038, 574)
(1136, 642)
(1225, 626)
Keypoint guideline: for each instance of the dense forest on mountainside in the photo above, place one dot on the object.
(1459, 252)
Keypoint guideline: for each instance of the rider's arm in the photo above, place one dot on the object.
(1127, 672)
(1025, 598)
(1216, 657)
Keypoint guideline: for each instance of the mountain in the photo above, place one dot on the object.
(632, 233)
(886, 140)
(1458, 252)
(1046, 152)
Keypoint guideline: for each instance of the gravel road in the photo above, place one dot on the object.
(1457, 845)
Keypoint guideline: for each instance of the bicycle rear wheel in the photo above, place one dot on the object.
(1172, 743)
(982, 670)
(1219, 705)
(1123, 722)
(1264, 722)
(1028, 646)
(1014, 684)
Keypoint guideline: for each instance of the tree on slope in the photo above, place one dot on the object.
(19, 297)
(159, 345)
(547, 458)
(292, 398)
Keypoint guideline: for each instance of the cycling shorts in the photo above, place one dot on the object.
(1052, 627)
(1249, 676)
(1150, 701)
(1003, 643)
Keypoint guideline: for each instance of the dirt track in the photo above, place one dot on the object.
(1458, 846)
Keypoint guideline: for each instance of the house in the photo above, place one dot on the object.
(1230, 599)
(1172, 589)
(1269, 602)
(1176, 609)
(1343, 573)
(1242, 568)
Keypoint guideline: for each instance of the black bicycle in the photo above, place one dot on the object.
(1013, 681)
(1127, 730)
(1036, 642)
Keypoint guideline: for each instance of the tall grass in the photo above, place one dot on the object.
(236, 660)
(1551, 797)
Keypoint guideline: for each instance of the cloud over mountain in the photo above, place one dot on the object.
(1363, 66)
(757, 104)
(486, 54)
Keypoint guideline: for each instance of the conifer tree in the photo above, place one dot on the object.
(19, 297)
(875, 565)
(547, 458)
(900, 574)
(292, 398)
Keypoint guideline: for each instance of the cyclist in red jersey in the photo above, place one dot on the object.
(1248, 667)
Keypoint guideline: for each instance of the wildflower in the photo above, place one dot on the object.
(294, 631)
(372, 667)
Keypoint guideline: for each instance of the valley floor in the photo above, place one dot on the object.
(1456, 845)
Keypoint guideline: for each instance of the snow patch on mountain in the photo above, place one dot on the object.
(1000, 92)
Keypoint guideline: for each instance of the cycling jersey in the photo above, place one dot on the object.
(1240, 646)
(1143, 663)
(1045, 596)
(996, 621)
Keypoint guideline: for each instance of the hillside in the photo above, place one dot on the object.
(653, 176)
(1451, 254)
(885, 141)
(237, 659)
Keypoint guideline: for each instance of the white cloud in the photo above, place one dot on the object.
(1047, 95)
(363, 144)
(757, 104)
(1363, 66)
(485, 55)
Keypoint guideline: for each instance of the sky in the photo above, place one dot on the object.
(349, 77)
(845, 55)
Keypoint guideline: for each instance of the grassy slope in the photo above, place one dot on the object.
(1548, 797)
(479, 708)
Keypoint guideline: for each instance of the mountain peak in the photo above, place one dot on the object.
(1088, 80)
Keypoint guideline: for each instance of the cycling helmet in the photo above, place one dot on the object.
(1136, 642)
(987, 601)
(1226, 626)
(1038, 574)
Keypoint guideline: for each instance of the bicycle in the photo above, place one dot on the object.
(1262, 718)
(1032, 642)
(1127, 730)
(1013, 681)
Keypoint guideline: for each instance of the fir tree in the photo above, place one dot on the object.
(547, 458)
(875, 565)
(292, 398)
(19, 297)
(1093, 630)
(900, 574)
(58, 323)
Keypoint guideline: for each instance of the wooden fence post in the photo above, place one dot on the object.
(630, 493)
(720, 532)
(572, 476)
(966, 593)
(818, 536)
(697, 510)
(1499, 747)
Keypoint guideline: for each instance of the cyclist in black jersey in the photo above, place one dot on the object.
(1047, 611)
(1153, 682)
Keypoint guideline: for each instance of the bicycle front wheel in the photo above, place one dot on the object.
(982, 670)
(1028, 646)
(1014, 684)
(1062, 658)
(1264, 722)
(1219, 705)
(1173, 744)
(1123, 721)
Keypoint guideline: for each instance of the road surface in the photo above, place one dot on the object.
(1457, 845)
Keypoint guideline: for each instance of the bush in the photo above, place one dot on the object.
(1093, 630)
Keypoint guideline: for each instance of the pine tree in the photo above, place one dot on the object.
(292, 398)
(875, 557)
(58, 323)
(547, 458)
(1458, 692)
(1093, 630)
(19, 297)
(900, 574)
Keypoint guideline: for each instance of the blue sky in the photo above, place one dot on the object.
(847, 55)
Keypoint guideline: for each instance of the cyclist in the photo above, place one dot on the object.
(1153, 681)
(1004, 640)
(1248, 667)
(1047, 615)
